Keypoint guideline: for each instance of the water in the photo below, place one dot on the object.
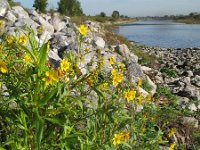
(166, 34)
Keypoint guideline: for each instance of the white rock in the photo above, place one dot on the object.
(191, 121)
(198, 106)
(158, 79)
(142, 91)
(45, 36)
(153, 85)
(19, 12)
(183, 101)
(57, 23)
(99, 42)
(192, 107)
(44, 23)
(10, 16)
(53, 55)
(190, 73)
(3, 7)
(146, 69)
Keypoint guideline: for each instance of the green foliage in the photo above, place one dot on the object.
(70, 7)
(11, 2)
(40, 5)
(115, 14)
(44, 107)
(102, 14)
(169, 72)
(164, 91)
(146, 86)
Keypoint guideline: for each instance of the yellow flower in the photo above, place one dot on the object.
(90, 82)
(126, 136)
(104, 86)
(171, 132)
(40, 30)
(113, 72)
(139, 83)
(140, 99)
(86, 50)
(130, 95)
(122, 66)
(9, 39)
(27, 58)
(82, 29)
(2, 23)
(117, 139)
(117, 78)
(101, 62)
(1, 46)
(3, 67)
(111, 60)
(50, 78)
(64, 65)
(148, 98)
(22, 39)
(172, 146)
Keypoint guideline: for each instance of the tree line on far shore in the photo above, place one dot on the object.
(68, 8)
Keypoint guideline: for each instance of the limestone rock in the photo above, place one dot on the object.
(4, 6)
(10, 16)
(57, 23)
(191, 121)
(192, 107)
(99, 42)
(152, 84)
(19, 12)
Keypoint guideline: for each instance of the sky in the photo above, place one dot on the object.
(132, 8)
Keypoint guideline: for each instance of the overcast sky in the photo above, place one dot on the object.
(132, 8)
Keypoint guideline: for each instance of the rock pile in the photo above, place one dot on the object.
(186, 65)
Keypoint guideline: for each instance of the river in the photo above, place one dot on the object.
(166, 34)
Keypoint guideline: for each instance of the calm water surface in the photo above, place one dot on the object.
(162, 33)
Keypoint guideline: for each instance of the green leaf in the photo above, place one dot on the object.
(46, 98)
(55, 121)
(99, 93)
(126, 145)
(39, 122)
(1, 148)
(43, 51)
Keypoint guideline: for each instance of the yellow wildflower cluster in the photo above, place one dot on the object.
(111, 60)
(2, 23)
(27, 58)
(122, 66)
(171, 132)
(101, 62)
(9, 39)
(64, 65)
(104, 86)
(139, 83)
(22, 39)
(120, 137)
(50, 78)
(130, 95)
(3, 67)
(116, 77)
(172, 146)
(140, 99)
(82, 29)
(1, 46)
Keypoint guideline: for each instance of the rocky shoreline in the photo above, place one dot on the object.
(180, 71)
